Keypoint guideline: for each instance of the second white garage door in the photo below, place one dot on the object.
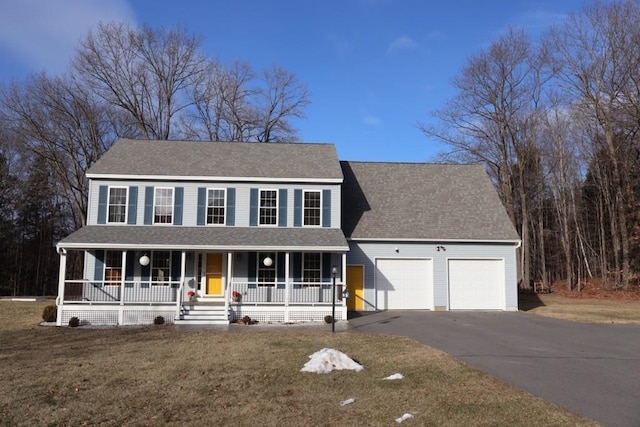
(404, 284)
(476, 284)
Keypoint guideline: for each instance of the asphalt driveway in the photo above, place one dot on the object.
(593, 370)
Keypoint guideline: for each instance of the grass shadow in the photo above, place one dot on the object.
(528, 301)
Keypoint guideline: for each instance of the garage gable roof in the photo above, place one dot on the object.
(419, 201)
(223, 160)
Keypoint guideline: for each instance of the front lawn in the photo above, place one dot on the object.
(247, 376)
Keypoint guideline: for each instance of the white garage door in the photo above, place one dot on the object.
(404, 284)
(476, 284)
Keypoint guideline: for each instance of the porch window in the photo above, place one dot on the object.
(161, 268)
(267, 274)
(215, 206)
(312, 208)
(163, 206)
(112, 268)
(117, 205)
(311, 269)
(268, 207)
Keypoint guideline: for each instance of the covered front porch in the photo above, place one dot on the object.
(124, 284)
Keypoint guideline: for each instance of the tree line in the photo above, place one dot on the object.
(123, 81)
(556, 124)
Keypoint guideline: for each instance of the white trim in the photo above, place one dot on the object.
(427, 240)
(319, 208)
(173, 201)
(212, 178)
(239, 248)
(224, 206)
(126, 204)
(277, 207)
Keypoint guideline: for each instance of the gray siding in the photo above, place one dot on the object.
(190, 200)
(365, 253)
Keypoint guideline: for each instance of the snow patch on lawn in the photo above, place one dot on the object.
(328, 359)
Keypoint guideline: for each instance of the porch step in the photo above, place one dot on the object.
(203, 314)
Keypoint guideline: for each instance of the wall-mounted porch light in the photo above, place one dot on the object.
(144, 260)
(268, 262)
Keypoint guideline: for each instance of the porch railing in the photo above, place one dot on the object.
(104, 291)
(279, 293)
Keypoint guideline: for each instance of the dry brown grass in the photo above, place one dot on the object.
(585, 310)
(161, 375)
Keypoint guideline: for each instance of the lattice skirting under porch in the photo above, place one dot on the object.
(111, 317)
(278, 315)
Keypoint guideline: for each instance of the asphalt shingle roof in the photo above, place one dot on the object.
(422, 201)
(220, 159)
(223, 238)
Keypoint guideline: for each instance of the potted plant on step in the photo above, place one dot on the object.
(236, 296)
(192, 296)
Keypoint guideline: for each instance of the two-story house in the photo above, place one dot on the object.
(207, 232)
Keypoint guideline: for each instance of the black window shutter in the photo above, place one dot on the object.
(231, 206)
(102, 204)
(133, 205)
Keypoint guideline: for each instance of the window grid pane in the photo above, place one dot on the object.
(163, 209)
(311, 268)
(268, 207)
(117, 204)
(312, 208)
(267, 275)
(113, 268)
(215, 207)
(161, 267)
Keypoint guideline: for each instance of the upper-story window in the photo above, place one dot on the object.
(117, 205)
(268, 207)
(216, 206)
(163, 206)
(312, 208)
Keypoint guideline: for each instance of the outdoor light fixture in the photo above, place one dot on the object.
(345, 293)
(268, 262)
(440, 248)
(144, 260)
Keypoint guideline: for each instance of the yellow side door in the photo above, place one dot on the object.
(355, 285)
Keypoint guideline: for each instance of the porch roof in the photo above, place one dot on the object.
(206, 238)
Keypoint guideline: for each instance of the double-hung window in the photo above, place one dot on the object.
(312, 208)
(216, 206)
(266, 273)
(311, 269)
(117, 205)
(268, 207)
(161, 267)
(163, 206)
(112, 268)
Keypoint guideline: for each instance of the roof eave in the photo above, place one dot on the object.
(211, 178)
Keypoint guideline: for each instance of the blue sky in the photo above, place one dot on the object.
(375, 68)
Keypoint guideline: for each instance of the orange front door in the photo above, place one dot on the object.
(355, 285)
(214, 274)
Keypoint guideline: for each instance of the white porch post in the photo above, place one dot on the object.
(122, 278)
(343, 279)
(183, 272)
(287, 286)
(227, 283)
(61, 276)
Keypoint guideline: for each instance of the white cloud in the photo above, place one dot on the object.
(42, 34)
(402, 43)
